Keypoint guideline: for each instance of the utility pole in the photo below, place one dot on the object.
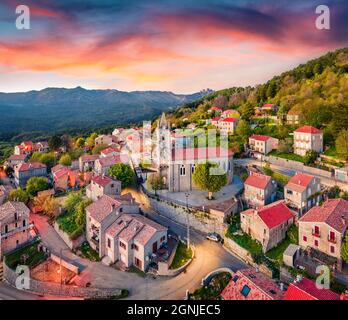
(188, 221)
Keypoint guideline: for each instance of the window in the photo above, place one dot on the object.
(163, 239)
(229, 166)
(193, 168)
(316, 230)
(182, 170)
(6, 228)
(332, 236)
(135, 247)
(109, 243)
(316, 243)
(288, 191)
(332, 249)
(123, 245)
(235, 278)
(24, 222)
(245, 291)
(304, 238)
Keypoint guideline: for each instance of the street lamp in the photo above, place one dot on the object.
(188, 221)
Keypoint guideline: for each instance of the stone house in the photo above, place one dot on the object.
(110, 152)
(122, 236)
(15, 159)
(65, 178)
(251, 284)
(308, 138)
(227, 125)
(302, 192)
(133, 240)
(259, 190)
(24, 171)
(269, 224)
(4, 192)
(86, 162)
(102, 185)
(106, 139)
(261, 145)
(14, 226)
(102, 165)
(323, 228)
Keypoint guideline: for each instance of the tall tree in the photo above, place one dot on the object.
(122, 172)
(206, 178)
(55, 142)
(36, 184)
(342, 144)
(65, 160)
(344, 250)
(18, 195)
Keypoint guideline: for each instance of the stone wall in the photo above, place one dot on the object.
(72, 244)
(238, 250)
(297, 166)
(65, 264)
(55, 289)
(198, 220)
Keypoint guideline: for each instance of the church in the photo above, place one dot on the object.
(176, 161)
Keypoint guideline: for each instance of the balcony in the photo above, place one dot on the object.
(332, 240)
(316, 234)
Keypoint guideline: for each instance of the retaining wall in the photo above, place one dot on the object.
(55, 289)
(72, 244)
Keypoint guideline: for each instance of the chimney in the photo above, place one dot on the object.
(343, 220)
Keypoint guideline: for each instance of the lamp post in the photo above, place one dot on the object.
(188, 221)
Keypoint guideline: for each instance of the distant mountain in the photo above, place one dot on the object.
(56, 109)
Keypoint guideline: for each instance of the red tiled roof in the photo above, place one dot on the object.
(89, 157)
(307, 290)
(16, 157)
(230, 120)
(334, 212)
(200, 153)
(268, 106)
(260, 287)
(102, 180)
(12, 207)
(308, 129)
(28, 166)
(258, 180)
(100, 209)
(260, 137)
(110, 160)
(299, 182)
(275, 214)
(216, 119)
(109, 150)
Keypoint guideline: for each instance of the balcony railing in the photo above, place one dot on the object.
(332, 240)
(316, 234)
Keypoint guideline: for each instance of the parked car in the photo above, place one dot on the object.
(213, 236)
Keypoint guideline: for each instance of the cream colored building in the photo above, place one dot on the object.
(102, 185)
(308, 138)
(302, 192)
(323, 228)
(261, 145)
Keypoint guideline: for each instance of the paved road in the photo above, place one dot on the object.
(209, 256)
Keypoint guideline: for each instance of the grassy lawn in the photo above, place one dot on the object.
(68, 224)
(88, 253)
(214, 289)
(282, 178)
(246, 242)
(28, 255)
(288, 156)
(276, 253)
(182, 255)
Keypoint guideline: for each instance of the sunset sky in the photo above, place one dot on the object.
(174, 45)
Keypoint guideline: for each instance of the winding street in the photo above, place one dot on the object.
(208, 256)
